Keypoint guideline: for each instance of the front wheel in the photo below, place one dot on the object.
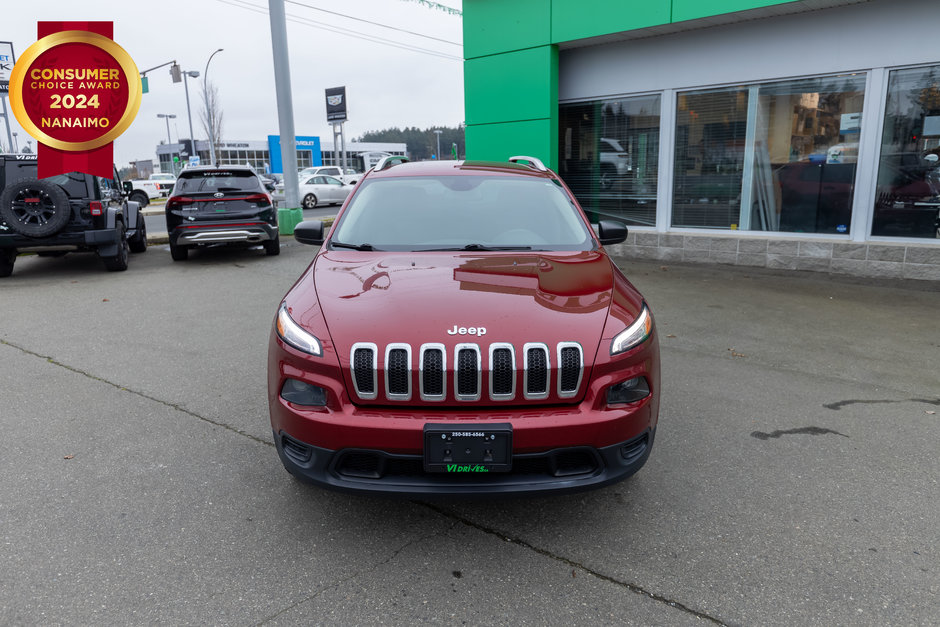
(140, 198)
(310, 201)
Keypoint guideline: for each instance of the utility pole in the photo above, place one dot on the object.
(285, 106)
(192, 137)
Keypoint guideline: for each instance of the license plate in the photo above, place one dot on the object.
(468, 449)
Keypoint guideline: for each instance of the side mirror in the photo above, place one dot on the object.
(128, 187)
(932, 157)
(309, 232)
(611, 232)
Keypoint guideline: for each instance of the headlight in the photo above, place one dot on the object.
(633, 335)
(290, 332)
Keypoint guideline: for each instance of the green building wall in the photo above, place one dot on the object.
(511, 62)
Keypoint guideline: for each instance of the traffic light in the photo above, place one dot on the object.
(175, 73)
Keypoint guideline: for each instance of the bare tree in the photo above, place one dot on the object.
(211, 117)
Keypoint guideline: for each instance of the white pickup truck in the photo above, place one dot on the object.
(157, 186)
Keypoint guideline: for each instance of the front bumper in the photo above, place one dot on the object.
(371, 471)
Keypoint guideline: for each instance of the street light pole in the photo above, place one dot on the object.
(167, 117)
(16, 146)
(209, 117)
(438, 133)
(192, 136)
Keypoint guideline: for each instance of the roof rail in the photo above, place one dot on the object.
(532, 161)
(389, 161)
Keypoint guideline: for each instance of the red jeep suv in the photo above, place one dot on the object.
(462, 332)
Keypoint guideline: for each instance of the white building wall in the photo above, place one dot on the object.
(858, 37)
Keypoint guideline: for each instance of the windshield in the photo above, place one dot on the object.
(217, 181)
(462, 213)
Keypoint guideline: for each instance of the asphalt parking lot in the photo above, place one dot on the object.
(795, 477)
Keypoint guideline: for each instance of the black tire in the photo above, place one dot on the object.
(35, 208)
(140, 198)
(272, 247)
(310, 201)
(7, 258)
(607, 177)
(118, 263)
(138, 243)
(179, 253)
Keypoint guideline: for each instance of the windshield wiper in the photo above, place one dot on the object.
(474, 247)
(335, 244)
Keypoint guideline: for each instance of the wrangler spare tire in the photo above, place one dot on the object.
(35, 208)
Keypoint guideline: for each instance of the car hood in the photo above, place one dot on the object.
(449, 298)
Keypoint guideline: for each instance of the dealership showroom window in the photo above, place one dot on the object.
(776, 156)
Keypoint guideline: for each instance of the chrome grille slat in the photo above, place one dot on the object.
(398, 372)
(502, 378)
(537, 371)
(468, 372)
(364, 370)
(432, 380)
(570, 368)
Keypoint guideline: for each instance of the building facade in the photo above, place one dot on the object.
(787, 134)
(265, 155)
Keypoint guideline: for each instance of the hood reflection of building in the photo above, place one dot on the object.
(578, 283)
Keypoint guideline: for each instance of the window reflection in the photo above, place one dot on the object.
(711, 128)
(907, 200)
(772, 157)
(609, 157)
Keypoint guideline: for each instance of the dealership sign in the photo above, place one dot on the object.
(336, 104)
(75, 91)
(6, 64)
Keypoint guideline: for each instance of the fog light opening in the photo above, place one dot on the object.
(629, 391)
(302, 393)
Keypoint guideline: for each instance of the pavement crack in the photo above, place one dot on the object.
(573, 564)
(143, 395)
(356, 574)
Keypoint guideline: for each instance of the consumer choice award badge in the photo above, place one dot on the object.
(75, 91)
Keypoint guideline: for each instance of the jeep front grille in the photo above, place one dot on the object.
(496, 361)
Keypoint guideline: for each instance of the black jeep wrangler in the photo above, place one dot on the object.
(65, 213)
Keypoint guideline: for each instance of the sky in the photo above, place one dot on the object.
(387, 84)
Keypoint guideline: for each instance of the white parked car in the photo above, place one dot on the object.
(347, 175)
(318, 190)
